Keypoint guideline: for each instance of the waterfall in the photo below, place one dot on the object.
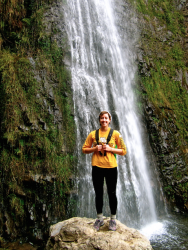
(103, 78)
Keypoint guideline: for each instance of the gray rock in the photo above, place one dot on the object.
(50, 111)
(51, 95)
(45, 103)
(78, 233)
(22, 128)
(32, 61)
(45, 127)
(186, 78)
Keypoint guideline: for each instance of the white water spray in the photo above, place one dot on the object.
(102, 77)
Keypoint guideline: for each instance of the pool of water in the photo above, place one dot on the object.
(168, 233)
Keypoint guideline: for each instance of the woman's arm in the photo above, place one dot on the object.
(120, 144)
(107, 148)
(87, 147)
(91, 150)
(121, 150)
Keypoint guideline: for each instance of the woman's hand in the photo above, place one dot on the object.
(98, 148)
(94, 149)
(107, 148)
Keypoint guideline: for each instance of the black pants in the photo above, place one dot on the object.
(110, 175)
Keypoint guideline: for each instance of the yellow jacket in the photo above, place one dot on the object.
(108, 161)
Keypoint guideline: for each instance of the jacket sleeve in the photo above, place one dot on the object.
(88, 142)
(120, 143)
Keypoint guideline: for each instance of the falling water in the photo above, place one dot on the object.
(103, 78)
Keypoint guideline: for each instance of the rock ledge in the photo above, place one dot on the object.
(79, 234)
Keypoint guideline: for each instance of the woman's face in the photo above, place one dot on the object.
(104, 120)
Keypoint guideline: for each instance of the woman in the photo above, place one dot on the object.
(104, 165)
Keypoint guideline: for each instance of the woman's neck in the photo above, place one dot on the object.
(104, 129)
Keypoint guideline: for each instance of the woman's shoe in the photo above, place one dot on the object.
(98, 223)
(112, 225)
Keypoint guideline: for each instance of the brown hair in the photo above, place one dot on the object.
(105, 112)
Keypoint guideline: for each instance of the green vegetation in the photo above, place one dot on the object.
(165, 63)
(167, 59)
(36, 122)
(170, 191)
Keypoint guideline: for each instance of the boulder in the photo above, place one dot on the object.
(78, 234)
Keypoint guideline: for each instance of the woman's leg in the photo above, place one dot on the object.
(111, 175)
(98, 182)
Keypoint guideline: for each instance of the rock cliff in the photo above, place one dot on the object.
(37, 130)
(78, 233)
(162, 69)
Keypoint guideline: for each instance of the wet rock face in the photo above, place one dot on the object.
(37, 204)
(32, 200)
(163, 136)
(168, 146)
(78, 233)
